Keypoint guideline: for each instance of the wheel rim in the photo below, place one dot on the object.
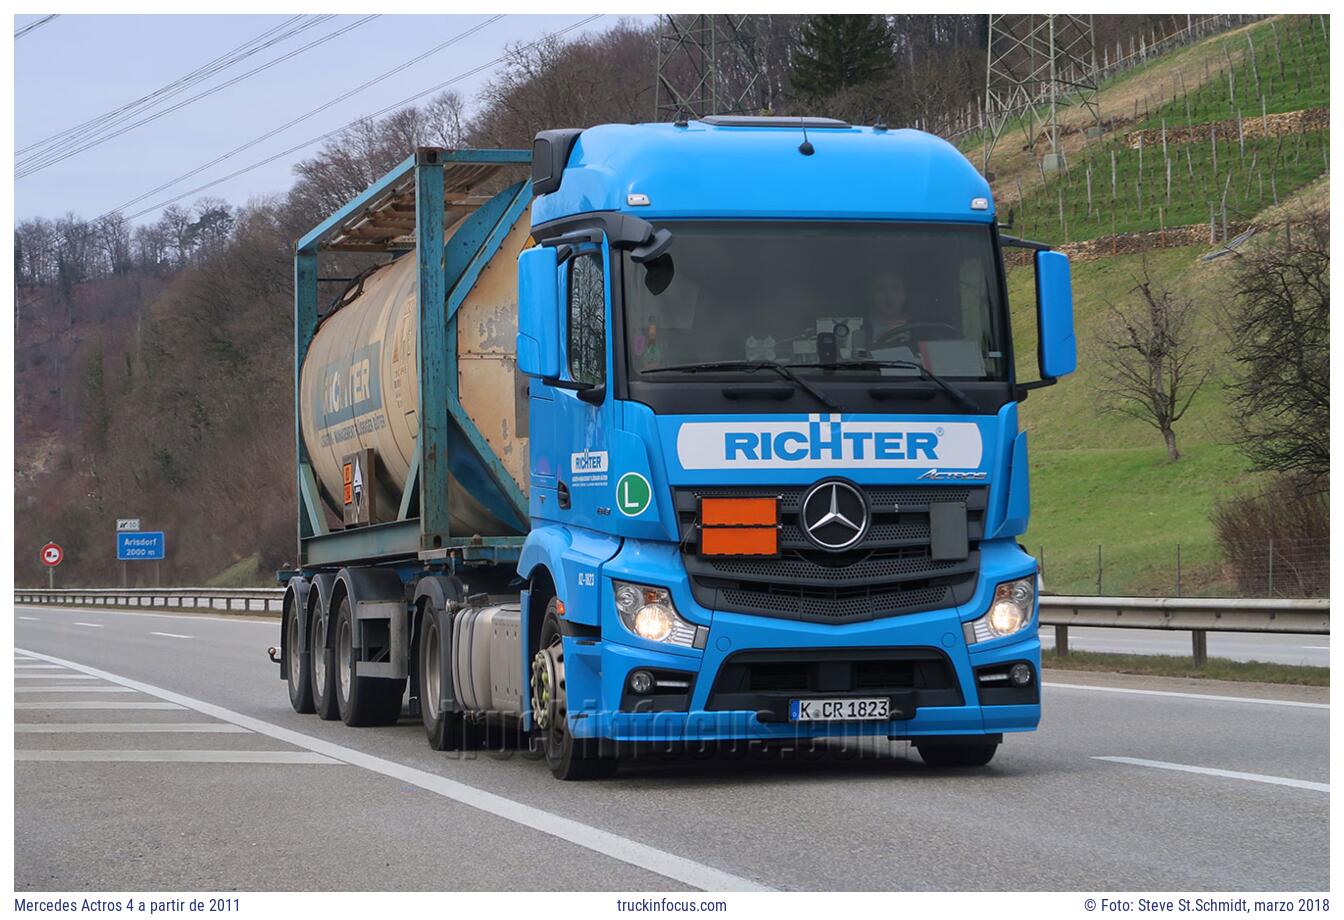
(320, 657)
(344, 659)
(292, 649)
(548, 693)
(431, 671)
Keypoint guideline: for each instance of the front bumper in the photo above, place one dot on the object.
(597, 671)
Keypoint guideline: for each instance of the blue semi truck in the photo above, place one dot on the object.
(702, 432)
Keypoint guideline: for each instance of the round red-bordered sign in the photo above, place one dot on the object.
(52, 554)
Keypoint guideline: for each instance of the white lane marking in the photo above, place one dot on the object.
(288, 757)
(27, 618)
(170, 635)
(73, 690)
(1214, 771)
(95, 704)
(128, 728)
(53, 677)
(38, 667)
(90, 625)
(1188, 696)
(623, 849)
(1318, 647)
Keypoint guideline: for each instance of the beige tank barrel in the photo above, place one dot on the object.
(360, 390)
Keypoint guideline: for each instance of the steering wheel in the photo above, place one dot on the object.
(908, 331)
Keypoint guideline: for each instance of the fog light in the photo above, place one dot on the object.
(1020, 674)
(641, 682)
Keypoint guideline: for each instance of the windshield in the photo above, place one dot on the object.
(805, 294)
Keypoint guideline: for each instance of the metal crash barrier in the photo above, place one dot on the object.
(1197, 615)
(225, 600)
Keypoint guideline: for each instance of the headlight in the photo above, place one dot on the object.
(648, 613)
(1009, 612)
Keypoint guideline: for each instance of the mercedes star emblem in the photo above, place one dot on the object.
(835, 515)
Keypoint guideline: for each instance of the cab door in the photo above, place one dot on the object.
(581, 397)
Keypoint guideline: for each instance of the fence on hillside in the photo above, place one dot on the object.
(1293, 568)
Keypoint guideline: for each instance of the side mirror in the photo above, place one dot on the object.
(538, 313)
(1058, 349)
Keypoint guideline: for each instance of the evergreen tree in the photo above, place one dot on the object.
(838, 52)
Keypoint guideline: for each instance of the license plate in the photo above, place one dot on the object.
(847, 709)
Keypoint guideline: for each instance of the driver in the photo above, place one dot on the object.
(891, 311)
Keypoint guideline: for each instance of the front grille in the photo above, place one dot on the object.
(890, 573)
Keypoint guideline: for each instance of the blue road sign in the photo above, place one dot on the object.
(148, 544)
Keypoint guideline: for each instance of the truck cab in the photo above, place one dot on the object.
(777, 478)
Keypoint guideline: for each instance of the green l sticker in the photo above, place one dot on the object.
(633, 494)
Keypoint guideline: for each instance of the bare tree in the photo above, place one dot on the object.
(445, 120)
(1280, 331)
(112, 233)
(179, 227)
(1152, 361)
(151, 247)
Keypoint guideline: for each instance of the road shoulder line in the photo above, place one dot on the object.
(1188, 696)
(623, 849)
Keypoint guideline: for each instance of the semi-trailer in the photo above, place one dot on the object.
(703, 432)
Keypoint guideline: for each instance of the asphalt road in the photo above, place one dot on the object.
(1278, 649)
(160, 752)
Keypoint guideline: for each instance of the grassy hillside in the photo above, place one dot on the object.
(1102, 478)
(1109, 186)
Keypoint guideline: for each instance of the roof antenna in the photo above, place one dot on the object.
(805, 148)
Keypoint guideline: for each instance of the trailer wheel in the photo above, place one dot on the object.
(321, 667)
(957, 755)
(360, 700)
(568, 757)
(444, 730)
(300, 678)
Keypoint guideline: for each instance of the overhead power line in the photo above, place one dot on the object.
(229, 57)
(383, 111)
(310, 113)
(34, 25)
(53, 160)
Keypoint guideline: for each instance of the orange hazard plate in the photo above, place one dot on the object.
(739, 512)
(739, 541)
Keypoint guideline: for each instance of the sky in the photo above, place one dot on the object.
(79, 66)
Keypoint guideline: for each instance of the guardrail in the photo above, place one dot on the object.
(232, 600)
(1197, 615)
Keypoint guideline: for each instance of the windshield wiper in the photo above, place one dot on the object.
(957, 395)
(751, 367)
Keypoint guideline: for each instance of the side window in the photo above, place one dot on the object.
(587, 320)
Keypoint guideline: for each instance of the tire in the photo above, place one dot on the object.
(957, 755)
(321, 667)
(445, 731)
(300, 677)
(568, 757)
(361, 701)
